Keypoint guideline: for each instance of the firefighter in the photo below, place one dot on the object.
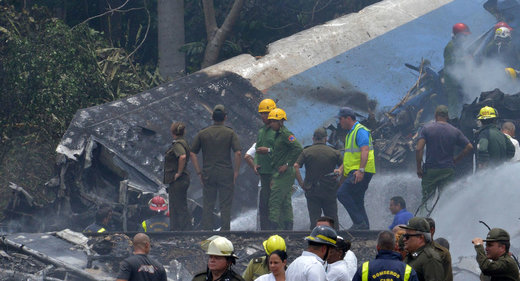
(286, 150)
(512, 73)
(496, 261)
(358, 168)
(221, 258)
(261, 163)
(159, 222)
(309, 266)
(502, 49)
(320, 185)
(259, 266)
(218, 175)
(103, 216)
(176, 175)
(493, 147)
(455, 56)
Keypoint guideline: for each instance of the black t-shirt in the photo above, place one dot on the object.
(141, 268)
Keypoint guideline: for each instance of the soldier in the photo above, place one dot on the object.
(259, 266)
(358, 168)
(320, 185)
(217, 175)
(262, 160)
(221, 257)
(285, 152)
(494, 148)
(159, 222)
(176, 175)
(443, 252)
(496, 262)
(421, 256)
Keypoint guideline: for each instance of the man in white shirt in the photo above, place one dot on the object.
(508, 128)
(309, 266)
(336, 268)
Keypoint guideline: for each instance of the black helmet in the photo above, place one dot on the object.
(323, 235)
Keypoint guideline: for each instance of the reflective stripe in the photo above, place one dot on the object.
(370, 147)
(352, 156)
(143, 224)
(323, 237)
(407, 272)
(364, 272)
(101, 230)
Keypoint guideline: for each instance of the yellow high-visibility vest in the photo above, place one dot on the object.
(364, 272)
(352, 156)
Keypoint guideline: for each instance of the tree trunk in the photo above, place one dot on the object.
(216, 36)
(171, 38)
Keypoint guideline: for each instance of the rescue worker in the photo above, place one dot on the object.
(336, 268)
(502, 49)
(443, 252)
(277, 265)
(159, 222)
(221, 258)
(508, 128)
(285, 152)
(139, 266)
(496, 262)
(358, 168)
(493, 148)
(421, 256)
(262, 160)
(387, 265)
(176, 175)
(320, 185)
(455, 56)
(398, 209)
(511, 73)
(309, 266)
(217, 175)
(440, 139)
(260, 266)
(103, 216)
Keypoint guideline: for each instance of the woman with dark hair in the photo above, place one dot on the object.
(176, 175)
(221, 257)
(277, 266)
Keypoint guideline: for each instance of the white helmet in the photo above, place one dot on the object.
(221, 246)
(503, 33)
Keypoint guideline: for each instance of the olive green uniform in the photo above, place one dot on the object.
(319, 160)
(265, 139)
(230, 275)
(180, 217)
(427, 263)
(286, 150)
(256, 268)
(504, 268)
(494, 147)
(445, 256)
(216, 142)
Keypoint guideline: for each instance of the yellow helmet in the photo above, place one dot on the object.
(266, 105)
(277, 114)
(487, 112)
(273, 243)
(511, 72)
(221, 246)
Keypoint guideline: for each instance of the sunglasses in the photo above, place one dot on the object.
(407, 236)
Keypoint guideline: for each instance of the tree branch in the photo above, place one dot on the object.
(110, 10)
(209, 18)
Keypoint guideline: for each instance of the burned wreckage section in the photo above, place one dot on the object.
(113, 153)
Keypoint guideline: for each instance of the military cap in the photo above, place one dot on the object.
(418, 224)
(497, 234)
(320, 133)
(219, 107)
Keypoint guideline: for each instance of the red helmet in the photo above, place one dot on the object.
(502, 24)
(158, 204)
(461, 28)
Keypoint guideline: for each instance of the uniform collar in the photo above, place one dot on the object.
(417, 252)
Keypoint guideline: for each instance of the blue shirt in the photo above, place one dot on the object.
(361, 136)
(386, 266)
(402, 217)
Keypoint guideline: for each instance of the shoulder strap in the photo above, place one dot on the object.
(364, 272)
(407, 272)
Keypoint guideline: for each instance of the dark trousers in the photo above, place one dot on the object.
(180, 217)
(223, 186)
(316, 204)
(352, 196)
(263, 204)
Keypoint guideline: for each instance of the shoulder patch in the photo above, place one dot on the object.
(291, 138)
(258, 260)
